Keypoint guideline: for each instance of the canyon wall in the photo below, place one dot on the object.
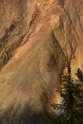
(38, 38)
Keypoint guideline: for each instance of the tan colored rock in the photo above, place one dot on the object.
(46, 35)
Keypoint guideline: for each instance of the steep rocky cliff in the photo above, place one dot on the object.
(37, 40)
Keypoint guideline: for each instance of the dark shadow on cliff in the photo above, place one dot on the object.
(27, 116)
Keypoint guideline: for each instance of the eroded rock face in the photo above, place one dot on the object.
(37, 40)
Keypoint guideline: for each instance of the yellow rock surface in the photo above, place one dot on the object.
(37, 40)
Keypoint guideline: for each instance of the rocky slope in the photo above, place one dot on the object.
(37, 40)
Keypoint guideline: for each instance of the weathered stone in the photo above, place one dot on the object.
(37, 40)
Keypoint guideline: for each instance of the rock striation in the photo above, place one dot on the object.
(38, 38)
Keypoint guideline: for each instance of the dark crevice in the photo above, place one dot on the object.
(34, 16)
(56, 41)
(6, 54)
(8, 32)
(71, 22)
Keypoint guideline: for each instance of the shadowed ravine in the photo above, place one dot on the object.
(38, 38)
(27, 116)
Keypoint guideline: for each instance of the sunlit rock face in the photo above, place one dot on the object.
(37, 40)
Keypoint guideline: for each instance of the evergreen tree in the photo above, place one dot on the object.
(72, 97)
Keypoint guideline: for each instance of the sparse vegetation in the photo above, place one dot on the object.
(71, 107)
